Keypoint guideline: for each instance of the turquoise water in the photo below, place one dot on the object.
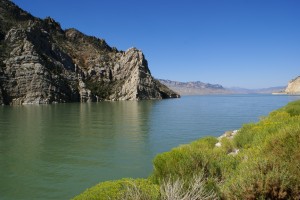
(57, 151)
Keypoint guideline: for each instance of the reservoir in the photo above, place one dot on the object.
(57, 151)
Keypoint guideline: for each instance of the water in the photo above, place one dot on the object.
(57, 151)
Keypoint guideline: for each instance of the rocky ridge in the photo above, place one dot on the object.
(270, 90)
(41, 63)
(200, 88)
(195, 87)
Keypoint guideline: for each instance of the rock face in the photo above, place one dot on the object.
(41, 63)
(293, 86)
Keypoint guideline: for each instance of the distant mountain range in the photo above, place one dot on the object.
(270, 90)
(194, 88)
(200, 88)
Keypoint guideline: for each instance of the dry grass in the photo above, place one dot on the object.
(176, 190)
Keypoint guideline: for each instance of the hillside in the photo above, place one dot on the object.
(41, 63)
(237, 90)
(259, 161)
(194, 87)
(200, 88)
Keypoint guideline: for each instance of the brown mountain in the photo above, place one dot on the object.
(41, 63)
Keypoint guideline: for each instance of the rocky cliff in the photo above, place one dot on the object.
(41, 63)
(293, 86)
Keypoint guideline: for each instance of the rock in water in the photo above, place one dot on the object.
(41, 63)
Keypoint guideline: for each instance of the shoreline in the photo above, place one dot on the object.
(226, 166)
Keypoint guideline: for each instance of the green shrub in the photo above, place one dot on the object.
(185, 160)
(199, 157)
(262, 179)
(285, 146)
(141, 189)
(100, 88)
(253, 134)
(227, 145)
(245, 136)
(293, 108)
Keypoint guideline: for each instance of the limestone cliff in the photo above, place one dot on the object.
(41, 63)
(293, 86)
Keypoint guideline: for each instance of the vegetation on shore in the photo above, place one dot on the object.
(266, 166)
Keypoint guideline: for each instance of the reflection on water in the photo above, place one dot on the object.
(49, 150)
(57, 151)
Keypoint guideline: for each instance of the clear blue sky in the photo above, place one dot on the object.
(245, 43)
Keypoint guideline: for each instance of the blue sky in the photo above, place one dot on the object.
(245, 43)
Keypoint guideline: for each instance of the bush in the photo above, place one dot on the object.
(185, 160)
(132, 189)
(245, 136)
(195, 189)
(262, 179)
(100, 88)
(293, 108)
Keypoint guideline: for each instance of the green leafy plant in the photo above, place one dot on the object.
(133, 189)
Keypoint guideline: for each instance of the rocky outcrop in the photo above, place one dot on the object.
(137, 80)
(293, 86)
(41, 63)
